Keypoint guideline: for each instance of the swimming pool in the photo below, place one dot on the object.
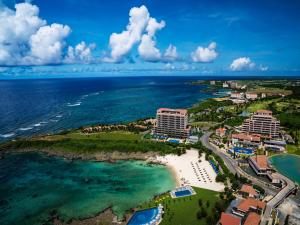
(147, 216)
(240, 150)
(182, 192)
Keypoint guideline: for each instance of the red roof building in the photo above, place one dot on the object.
(221, 131)
(248, 191)
(249, 204)
(229, 219)
(252, 219)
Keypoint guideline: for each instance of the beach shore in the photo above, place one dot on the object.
(189, 169)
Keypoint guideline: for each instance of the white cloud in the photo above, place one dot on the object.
(263, 68)
(243, 63)
(147, 49)
(122, 43)
(81, 53)
(141, 30)
(47, 44)
(26, 39)
(171, 53)
(205, 55)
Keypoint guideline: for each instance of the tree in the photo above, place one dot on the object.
(203, 212)
(207, 204)
(200, 202)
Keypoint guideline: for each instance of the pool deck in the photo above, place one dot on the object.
(189, 171)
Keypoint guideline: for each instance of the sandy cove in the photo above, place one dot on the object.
(188, 169)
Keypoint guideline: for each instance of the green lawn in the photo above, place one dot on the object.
(293, 149)
(259, 105)
(77, 142)
(183, 211)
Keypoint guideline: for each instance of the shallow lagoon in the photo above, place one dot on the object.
(288, 165)
(32, 185)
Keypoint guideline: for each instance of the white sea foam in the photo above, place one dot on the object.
(59, 116)
(52, 120)
(37, 125)
(75, 104)
(25, 128)
(7, 135)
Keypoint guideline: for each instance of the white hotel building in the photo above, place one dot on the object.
(172, 123)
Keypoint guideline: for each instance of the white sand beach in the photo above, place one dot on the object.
(189, 171)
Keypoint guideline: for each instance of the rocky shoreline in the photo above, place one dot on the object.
(97, 156)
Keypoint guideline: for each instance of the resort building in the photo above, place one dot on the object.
(259, 164)
(275, 145)
(229, 219)
(193, 139)
(262, 122)
(225, 85)
(221, 131)
(172, 123)
(237, 97)
(249, 205)
(246, 139)
(251, 95)
(248, 191)
(252, 219)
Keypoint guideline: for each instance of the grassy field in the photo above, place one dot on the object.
(77, 142)
(183, 211)
(293, 149)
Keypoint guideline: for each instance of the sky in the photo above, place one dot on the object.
(188, 37)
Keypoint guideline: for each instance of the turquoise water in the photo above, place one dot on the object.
(33, 185)
(288, 165)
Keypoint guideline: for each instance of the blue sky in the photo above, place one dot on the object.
(202, 37)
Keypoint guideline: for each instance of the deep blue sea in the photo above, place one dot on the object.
(40, 106)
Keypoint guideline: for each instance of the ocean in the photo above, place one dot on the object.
(41, 106)
(34, 185)
(288, 165)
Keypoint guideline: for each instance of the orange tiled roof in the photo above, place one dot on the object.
(264, 111)
(250, 202)
(221, 129)
(248, 189)
(246, 137)
(252, 219)
(261, 161)
(229, 219)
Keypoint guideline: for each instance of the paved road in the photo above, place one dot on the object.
(232, 165)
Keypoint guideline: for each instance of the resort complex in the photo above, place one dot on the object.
(172, 123)
(262, 122)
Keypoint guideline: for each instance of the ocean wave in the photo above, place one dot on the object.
(75, 104)
(37, 125)
(59, 116)
(7, 135)
(25, 128)
(52, 120)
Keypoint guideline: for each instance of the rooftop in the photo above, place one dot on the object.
(264, 111)
(229, 219)
(221, 129)
(261, 161)
(172, 111)
(252, 219)
(248, 203)
(247, 137)
(248, 189)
